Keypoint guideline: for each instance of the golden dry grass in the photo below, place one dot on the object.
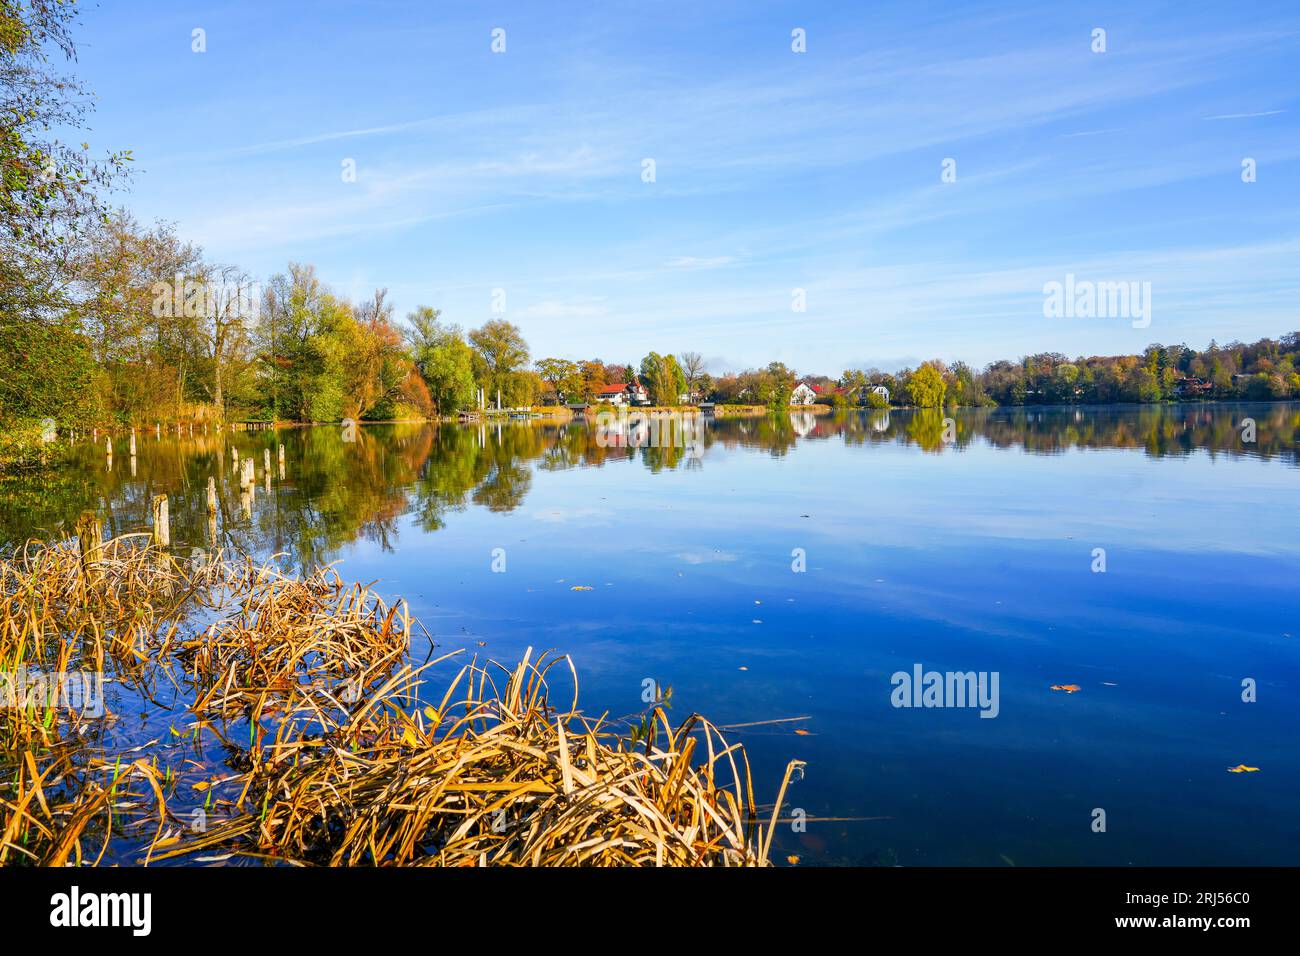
(337, 750)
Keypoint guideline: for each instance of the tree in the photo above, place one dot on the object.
(143, 300)
(564, 377)
(49, 191)
(693, 372)
(776, 385)
(663, 379)
(503, 355)
(225, 329)
(381, 364)
(444, 359)
(309, 346)
(926, 387)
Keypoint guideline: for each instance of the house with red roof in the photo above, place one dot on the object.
(623, 393)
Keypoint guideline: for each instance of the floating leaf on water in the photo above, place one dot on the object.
(1068, 688)
(1242, 768)
(580, 587)
(792, 860)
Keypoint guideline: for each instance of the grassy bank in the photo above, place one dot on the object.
(300, 731)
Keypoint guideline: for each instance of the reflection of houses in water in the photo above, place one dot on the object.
(622, 431)
(880, 421)
(651, 430)
(803, 422)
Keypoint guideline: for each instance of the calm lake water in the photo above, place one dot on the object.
(966, 551)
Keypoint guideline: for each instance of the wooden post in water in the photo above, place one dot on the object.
(212, 495)
(162, 532)
(90, 539)
(132, 443)
(266, 462)
(157, 431)
(234, 455)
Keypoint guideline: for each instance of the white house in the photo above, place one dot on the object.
(880, 390)
(624, 394)
(804, 394)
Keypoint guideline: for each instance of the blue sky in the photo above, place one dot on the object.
(774, 170)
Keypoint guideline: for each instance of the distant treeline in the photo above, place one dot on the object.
(1265, 370)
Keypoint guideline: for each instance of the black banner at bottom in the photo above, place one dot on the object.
(335, 906)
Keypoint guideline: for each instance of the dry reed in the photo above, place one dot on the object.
(349, 759)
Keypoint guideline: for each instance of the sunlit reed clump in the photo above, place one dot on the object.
(301, 732)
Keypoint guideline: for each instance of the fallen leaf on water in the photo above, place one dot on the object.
(580, 587)
(1242, 768)
(432, 714)
(1068, 688)
(792, 860)
(744, 668)
(801, 732)
(202, 785)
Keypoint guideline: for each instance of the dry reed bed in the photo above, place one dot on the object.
(494, 776)
(346, 761)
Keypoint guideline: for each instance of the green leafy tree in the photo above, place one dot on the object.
(50, 192)
(776, 385)
(502, 362)
(565, 378)
(926, 387)
(444, 359)
(663, 379)
(310, 342)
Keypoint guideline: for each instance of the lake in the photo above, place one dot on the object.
(789, 566)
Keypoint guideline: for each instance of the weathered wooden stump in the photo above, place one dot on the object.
(162, 532)
(90, 541)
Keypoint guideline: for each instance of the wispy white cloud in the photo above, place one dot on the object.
(1231, 116)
